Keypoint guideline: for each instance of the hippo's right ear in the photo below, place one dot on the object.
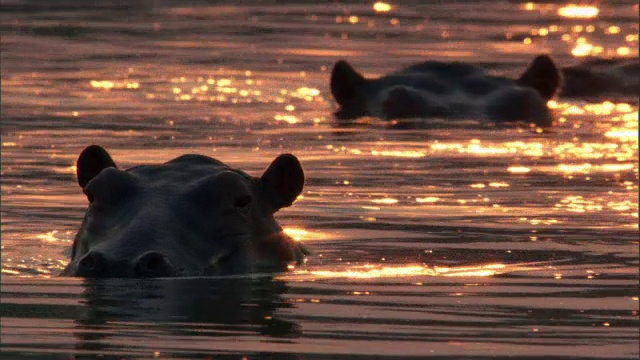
(91, 161)
(283, 181)
(542, 75)
(345, 82)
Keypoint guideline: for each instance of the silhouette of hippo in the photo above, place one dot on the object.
(450, 90)
(190, 216)
(602, 78)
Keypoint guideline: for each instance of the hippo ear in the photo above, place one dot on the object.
(542, 75)
(345, 82)
(91, 161)
(283, 180)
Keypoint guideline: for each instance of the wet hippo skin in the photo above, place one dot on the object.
(600, 79)
(190, 216)
(450, 90)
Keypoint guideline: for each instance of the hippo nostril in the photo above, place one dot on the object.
(92, 263)
(152, 264)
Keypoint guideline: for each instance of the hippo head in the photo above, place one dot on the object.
(190, 216)
(429, 89)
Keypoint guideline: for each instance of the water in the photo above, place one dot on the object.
(450, 240)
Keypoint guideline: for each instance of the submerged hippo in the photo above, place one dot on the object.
(602, 79)
(450, 90)
(190, 216)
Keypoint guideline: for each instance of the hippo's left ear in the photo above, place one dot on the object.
(283, 180)
(542, 75)
(92, 160)
(344, 84)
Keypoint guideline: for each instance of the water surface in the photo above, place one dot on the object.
(454, 240)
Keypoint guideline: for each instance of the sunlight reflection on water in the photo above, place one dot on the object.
(377, 271)
(427, 237)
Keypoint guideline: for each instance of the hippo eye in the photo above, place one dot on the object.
(242, 201)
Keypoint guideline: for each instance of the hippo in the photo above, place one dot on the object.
(191, 216)
(601, 79)
(451, 90)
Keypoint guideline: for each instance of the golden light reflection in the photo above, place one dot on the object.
(445, 147)
(606, 108)
(580, 204)
(66, 170)
(300, 234)
(476, 148)
(290, 119)
(381, 7)
(574, 168)
(52, 236)
(360, 293)
(483, 150)
(584, 48)
(518, 169)
(49, 237)
(410, 270)
(619, 152)
(428, 199)
(223, 83)
(543, 222)
(578, 11)
(623, 151)
(612, 30)
(624, 107)
(399, 153)
(386, 201)
(236, 90)
(306, 93)
(499, 184)
(623, 51)
(108, 85)
(624, 205)
(623, 135)
(615, 167)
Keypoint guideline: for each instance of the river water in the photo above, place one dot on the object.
(448, 240)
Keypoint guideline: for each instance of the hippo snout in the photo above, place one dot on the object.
(149, 264)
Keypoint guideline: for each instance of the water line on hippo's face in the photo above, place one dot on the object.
(262, 254)
(218, 258)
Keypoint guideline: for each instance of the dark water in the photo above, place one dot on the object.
(454, 240)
